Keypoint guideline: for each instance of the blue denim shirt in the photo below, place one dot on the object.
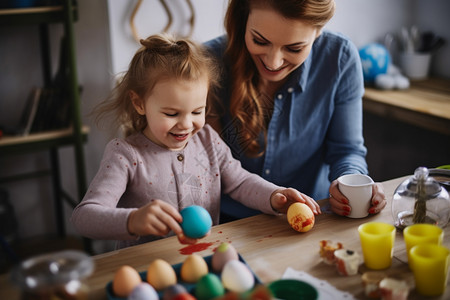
(315, 133)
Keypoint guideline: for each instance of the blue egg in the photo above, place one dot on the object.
(375, 60)
(196, 221)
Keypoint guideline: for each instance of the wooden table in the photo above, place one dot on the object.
(425, 104)
(269, 245)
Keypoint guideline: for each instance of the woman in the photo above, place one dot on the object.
(291, 97)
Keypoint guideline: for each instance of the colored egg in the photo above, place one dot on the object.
(193, 268)
(209, 287)
(173, 291)
(237, 277)
(184, 297)
(223, 254)
(160, 274)
(196, 221)
(143, 291)
(300, 217)
(125, 280)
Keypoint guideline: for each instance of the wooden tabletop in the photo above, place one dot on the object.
(425, 104)
(269, 245)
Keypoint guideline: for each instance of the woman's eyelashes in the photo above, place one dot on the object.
(264, 43)
(294, 50)
(259, 42)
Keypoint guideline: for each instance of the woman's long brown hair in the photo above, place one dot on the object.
(246, 103)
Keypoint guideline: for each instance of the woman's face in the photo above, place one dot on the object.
(277, 45)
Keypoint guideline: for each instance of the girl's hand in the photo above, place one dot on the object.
(340, 205)
(157, 218)
(281, 199)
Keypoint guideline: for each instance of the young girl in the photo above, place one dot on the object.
(169, 159)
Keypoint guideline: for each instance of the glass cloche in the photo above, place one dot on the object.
(420, 199)
(58, 275)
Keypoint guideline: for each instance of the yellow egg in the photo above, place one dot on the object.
(161, 275)
(125, 280)
(193, 268)
(300, 217)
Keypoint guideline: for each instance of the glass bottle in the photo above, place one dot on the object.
(56, 275)
(420, 199)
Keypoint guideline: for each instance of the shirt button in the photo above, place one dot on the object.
(280, 96)
(267, 171)
(290, 90)
(180, 157)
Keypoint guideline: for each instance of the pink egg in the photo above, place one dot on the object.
(224, 253)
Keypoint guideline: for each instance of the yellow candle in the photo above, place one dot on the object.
(422, 234)
(377, 243)
(429, 263)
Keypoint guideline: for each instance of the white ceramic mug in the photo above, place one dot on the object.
(357, 188)
(415, 65)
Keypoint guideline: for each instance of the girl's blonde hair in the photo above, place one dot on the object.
(246, 103)
(161, 56)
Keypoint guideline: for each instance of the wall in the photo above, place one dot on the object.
(104, 47)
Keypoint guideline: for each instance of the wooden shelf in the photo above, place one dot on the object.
(9, 144)
(51, 141)
(425, 104)
(34, 15)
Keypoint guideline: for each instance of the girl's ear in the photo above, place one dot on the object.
(137, 103)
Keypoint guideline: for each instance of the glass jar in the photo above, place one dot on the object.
(56, 275)
(420, 199)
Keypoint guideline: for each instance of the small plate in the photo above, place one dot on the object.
(190, 287)
(292, 289)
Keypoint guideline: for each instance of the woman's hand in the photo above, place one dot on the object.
(281, 199)
(340, 205)
(157, 218)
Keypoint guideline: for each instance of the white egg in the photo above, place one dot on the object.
(143, 291)
(401, 82)
(385, 82)
(237, 277)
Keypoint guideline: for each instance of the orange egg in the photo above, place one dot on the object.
(300, 217)
(125, 280)
(193, 268)
(160, 274)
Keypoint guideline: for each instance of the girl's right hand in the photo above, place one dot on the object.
(157, 218)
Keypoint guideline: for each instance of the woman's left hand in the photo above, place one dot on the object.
(378, 201)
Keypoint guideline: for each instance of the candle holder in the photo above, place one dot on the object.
(420, 199)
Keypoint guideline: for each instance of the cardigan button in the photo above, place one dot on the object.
(180, 157)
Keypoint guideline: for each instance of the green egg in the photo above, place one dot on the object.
(209, 287)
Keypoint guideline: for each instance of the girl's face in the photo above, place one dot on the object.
(175, 111)
(277, 45)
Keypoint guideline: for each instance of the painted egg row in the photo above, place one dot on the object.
(235, 277)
